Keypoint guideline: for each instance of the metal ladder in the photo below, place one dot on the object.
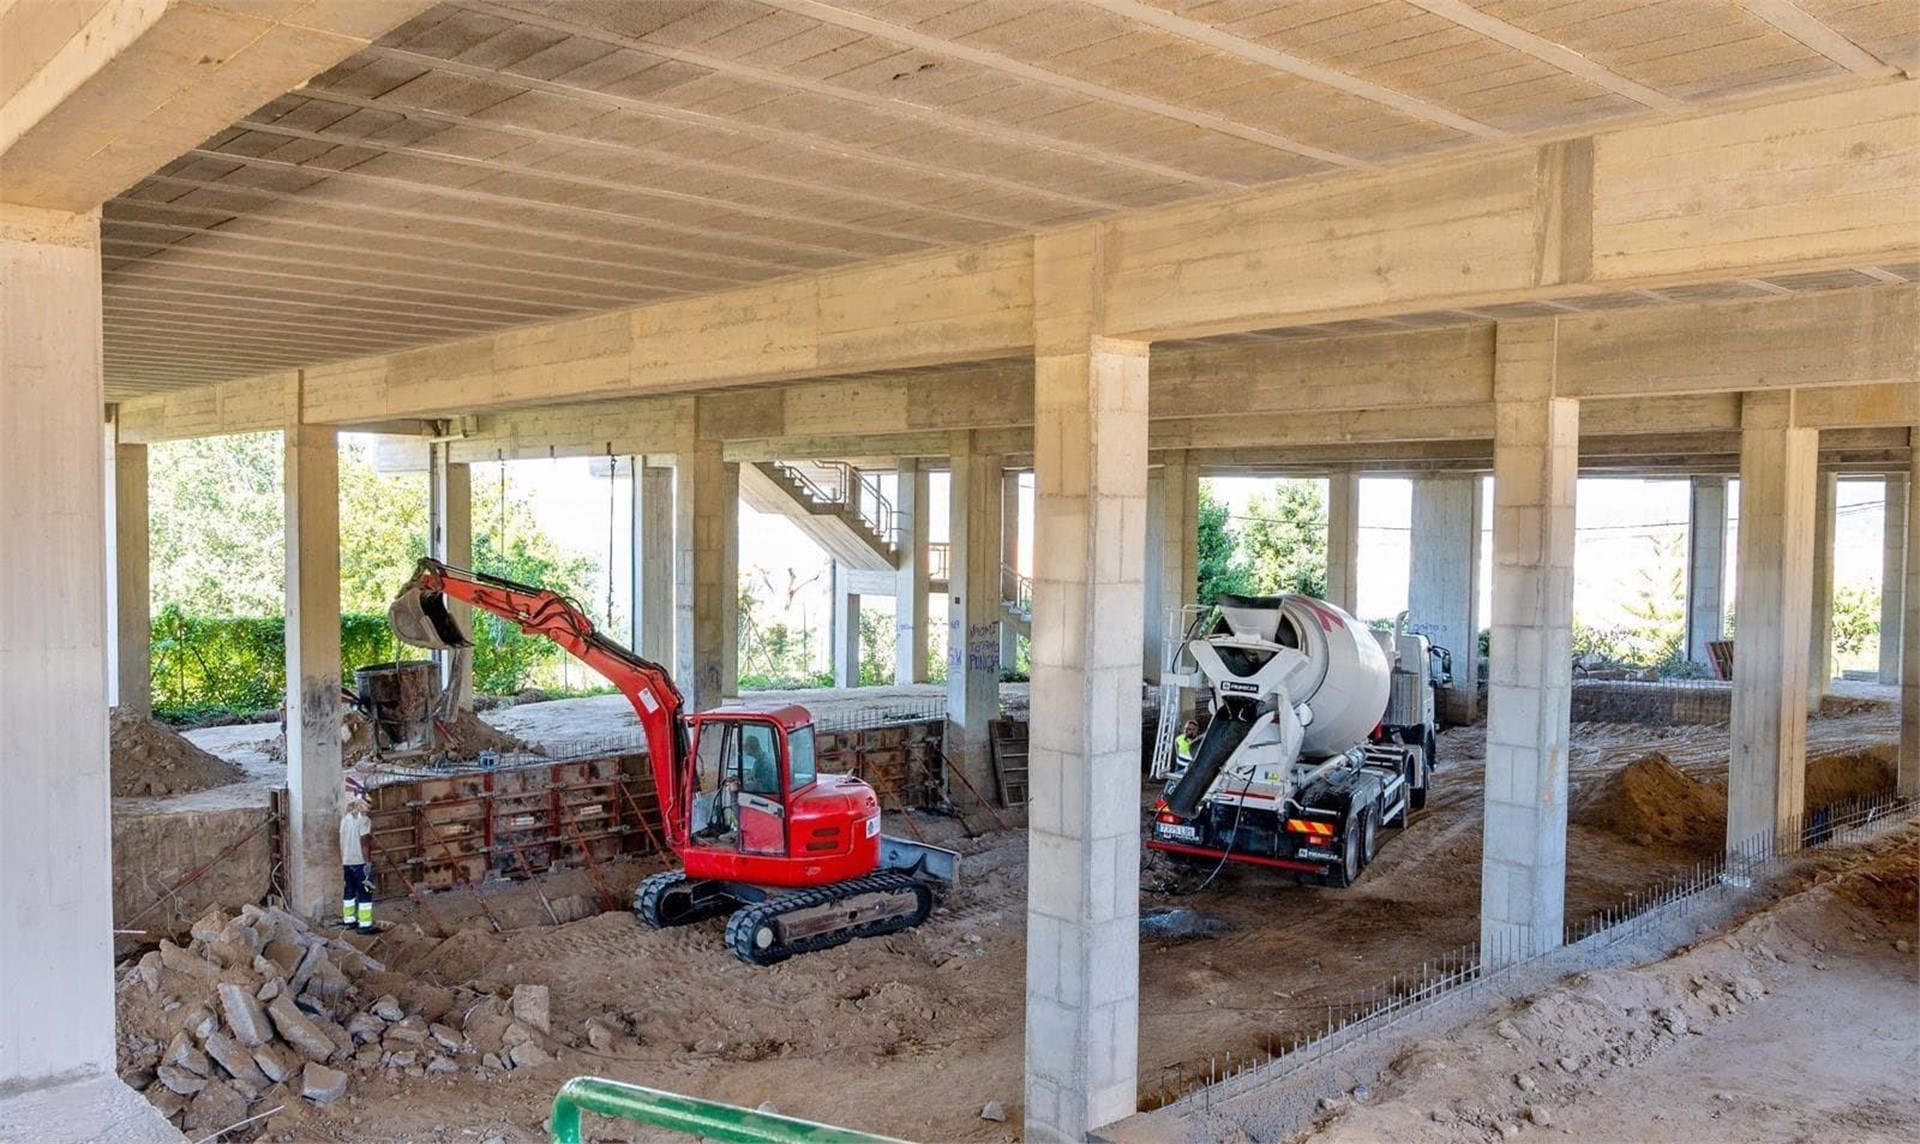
(1179, 623)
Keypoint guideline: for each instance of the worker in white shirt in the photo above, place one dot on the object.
(356, 866)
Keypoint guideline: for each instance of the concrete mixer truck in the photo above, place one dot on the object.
(1322, 732)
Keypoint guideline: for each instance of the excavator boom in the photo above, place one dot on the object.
(419, 616)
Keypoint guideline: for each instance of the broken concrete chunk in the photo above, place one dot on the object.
(993, 1111)
(388, 1009)
(442, 1065)
(180, 961)
(528, 1055)
(245, 935)
(237, 1059)
(277, 1061)
(149, 972)
(310, 963)
(531, 1003)
(284, 954)
(600, 1037)
(245, 1016)
(448, 1038)
(274, 987)
(178, 1080)
(364, 1027)
(493, 1062)
(217, 1106)
(209, 926)
(411, 1031)
(181, 1053)
(516, 1034)
(321, 1084)
(201, 1022)
(299, 1030)
(402, 1059)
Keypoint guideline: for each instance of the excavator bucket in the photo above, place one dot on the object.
(420, 618)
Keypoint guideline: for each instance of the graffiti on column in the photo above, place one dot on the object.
(983, 647)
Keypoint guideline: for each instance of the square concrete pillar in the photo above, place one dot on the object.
(56, 961)
(682, 662)
(450, 490)
(1820, 617)
(1893, 576)
(1773, 602)
(1536, 457)
(1443, 581)
(911, 625)
(1909, 767)
(1009, 566)
(1171, 574)
(715, 566)
(846, 631)
(973, 610)
(131, 589)
(1706, 566)
(652, 564)
(314, 780)
(1090, 466)
(1343, 541)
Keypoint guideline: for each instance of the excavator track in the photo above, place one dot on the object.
(807, 920)
(667, 900)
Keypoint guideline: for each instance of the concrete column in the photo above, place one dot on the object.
(682, 663)
(1706, 566)
(1893, 576)
(910, 621)
(973, 611)
(1820, 618)
(1083, 893)
(1443, 581)
(1343, 541)
(716, 575)
(1010, 564)
(846, 631)
(1177, 554)
(1152, 598)
(56, 961)
(652, 634)
(1767, 771)
(1536, 456)
(1909, 768)
(451, 489)
(133, 619)
(314, 780)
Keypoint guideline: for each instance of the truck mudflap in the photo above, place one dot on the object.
(1209, 853)
(933, 863)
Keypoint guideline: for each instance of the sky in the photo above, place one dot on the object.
(1631, 537)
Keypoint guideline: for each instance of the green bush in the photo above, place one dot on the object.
(208, 664)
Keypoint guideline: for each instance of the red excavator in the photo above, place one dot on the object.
(795, 856)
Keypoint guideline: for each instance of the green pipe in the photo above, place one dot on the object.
(708, 1119)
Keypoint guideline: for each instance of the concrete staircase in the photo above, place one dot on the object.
(838, 510)
(1016, 601)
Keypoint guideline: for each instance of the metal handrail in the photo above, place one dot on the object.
(939, 560)
(854, 490)
(1016, 589)
(707, 1119)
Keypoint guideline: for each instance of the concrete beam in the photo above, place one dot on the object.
(99, 95)
(1909, 770)
(1767, 774)
(1524, 845)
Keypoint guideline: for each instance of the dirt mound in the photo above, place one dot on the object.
(1654, 803)
(1849, 776)
(151, 759)
(471, 737)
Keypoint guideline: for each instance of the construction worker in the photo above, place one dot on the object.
(1184, 745)
(356, 866)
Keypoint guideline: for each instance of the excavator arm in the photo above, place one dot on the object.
(419, 617)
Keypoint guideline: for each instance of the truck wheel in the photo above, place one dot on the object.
(1352, 855)
(1422, 770)
(1369, 836)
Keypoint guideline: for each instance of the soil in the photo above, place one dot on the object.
(1799, 1023)
(840, 1035)
(150, 759)
(1652, 802)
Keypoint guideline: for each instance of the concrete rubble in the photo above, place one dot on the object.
(260, 1010)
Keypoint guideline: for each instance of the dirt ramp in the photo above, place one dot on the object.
(151, 760)
(1654, 803)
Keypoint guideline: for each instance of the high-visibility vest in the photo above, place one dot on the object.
(1183, 748)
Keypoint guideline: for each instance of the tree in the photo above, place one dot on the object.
(1218, 566)
(215, 538)
(1285, 538)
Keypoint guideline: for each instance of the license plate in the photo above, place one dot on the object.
(1177, 833)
